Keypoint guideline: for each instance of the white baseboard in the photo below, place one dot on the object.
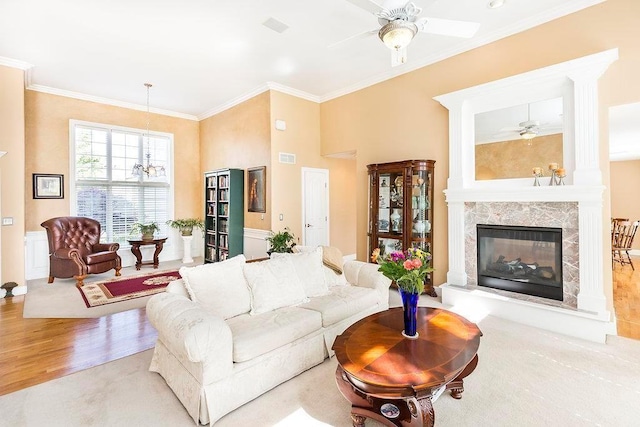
(634, 252)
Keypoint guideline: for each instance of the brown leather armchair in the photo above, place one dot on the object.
(75, 249)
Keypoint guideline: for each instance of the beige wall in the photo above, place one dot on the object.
(516, 158)
(302, 138)
(625, 202)
(240, 138)
(47, 149)
(398, 119)
(12, 118)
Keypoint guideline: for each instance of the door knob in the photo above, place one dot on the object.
(307, 225)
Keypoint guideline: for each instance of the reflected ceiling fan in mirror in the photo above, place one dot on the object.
(528, 129)
(400, 22)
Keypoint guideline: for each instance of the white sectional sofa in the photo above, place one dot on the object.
(228, 332)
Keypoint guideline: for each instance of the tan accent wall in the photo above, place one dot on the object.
(302, 138)
(47, 150)
(12, 171)
(398, 119)
(625, 202)
(240, 138)
(517, 158)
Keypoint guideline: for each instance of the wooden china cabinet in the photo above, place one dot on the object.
(401, 208)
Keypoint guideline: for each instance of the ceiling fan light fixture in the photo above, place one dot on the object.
(397, 34)
(528, 134)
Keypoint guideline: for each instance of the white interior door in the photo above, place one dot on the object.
(315, 207)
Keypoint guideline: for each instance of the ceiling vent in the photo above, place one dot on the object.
(288, 158)
(275, 25)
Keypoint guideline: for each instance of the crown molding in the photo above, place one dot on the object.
(108, 101)
(14, 63)
(522, 25)
(255, 92)
(293, 92)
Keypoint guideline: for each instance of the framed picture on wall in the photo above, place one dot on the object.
(48, 186)
(257, 189)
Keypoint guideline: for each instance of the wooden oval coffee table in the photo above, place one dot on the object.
(393, 379)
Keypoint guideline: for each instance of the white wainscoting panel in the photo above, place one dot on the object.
(36, 255)
(255, 243)
(37, 252)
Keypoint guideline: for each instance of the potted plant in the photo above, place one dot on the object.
(282, 241)
(186, 225)
(146, 230)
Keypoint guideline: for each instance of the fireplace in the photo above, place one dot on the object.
(526, 260)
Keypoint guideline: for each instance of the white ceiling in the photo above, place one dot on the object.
(204, 55)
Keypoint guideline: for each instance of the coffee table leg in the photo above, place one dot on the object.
(135, 249)
(358, 420)
(456, 386)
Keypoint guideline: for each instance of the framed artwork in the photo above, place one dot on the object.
(48, 186)
(257, 189)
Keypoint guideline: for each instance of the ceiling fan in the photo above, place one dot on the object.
(528, 129)
(400, 23)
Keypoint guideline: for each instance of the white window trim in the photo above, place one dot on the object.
(72, 163)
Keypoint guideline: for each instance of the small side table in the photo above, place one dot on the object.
(135, 249)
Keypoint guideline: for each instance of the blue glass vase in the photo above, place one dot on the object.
(410, 308)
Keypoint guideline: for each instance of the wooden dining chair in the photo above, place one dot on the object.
(622, 239)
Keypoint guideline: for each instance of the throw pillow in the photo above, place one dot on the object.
(219, 287)
(273, 284)
(332, 258)
(309, 270)
(331, 277)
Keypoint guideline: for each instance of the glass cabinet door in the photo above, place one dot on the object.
(420, 209)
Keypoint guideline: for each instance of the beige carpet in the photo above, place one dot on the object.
(62, 299)
(526, 377)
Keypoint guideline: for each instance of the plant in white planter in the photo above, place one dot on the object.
(186, 225)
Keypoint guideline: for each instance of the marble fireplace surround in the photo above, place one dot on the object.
(577, 207)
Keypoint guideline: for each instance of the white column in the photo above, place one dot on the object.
(591, 296)
(186, 258)
(456, 274)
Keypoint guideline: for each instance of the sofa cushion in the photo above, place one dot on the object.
(342, 302)
(220, 287)
(257, 335)
(309, 270)
(273, 284)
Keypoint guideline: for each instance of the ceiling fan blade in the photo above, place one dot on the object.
(361, 35)
(511, 129)
(448, 27)
(368, 5)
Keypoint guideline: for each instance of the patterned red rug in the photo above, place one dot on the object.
(126, 288)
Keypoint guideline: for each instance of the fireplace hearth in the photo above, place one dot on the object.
(526, 260)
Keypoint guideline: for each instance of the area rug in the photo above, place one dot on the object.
(125, 288)
(526, 377)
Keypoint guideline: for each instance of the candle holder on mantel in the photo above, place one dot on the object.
(537, 173)
(553, 167)
(560, 174)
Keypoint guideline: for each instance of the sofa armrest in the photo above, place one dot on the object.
(189, 331)
(366, 275)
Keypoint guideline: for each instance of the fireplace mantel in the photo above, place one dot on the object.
(577, 82)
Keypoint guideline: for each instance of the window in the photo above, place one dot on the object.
(105, 188)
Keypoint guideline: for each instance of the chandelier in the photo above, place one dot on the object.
(149, 169)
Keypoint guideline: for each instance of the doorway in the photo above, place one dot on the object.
(315, 207)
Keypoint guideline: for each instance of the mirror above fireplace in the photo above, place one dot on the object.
(510, 141)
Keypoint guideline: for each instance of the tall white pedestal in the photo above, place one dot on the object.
(186, 257)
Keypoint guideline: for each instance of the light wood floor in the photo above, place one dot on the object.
(626, 298)
(33, 351)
